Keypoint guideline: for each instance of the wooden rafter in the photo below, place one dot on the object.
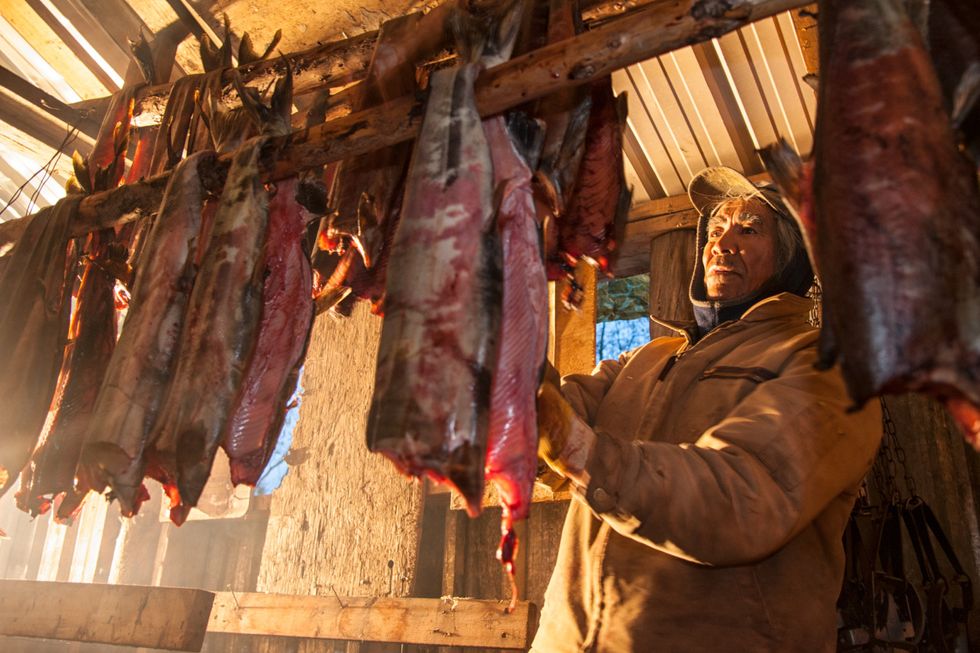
(83, 55)
(48, 103)
(114, 53)
(805, 22)
(590, 56)
(50, 46)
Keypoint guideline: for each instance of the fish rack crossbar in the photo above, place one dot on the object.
(177, 619)
(618, 42)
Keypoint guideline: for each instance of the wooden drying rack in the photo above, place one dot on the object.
(619, 42)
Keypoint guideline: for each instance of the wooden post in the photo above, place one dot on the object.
(344, 522)
(571, 347)
(671, 264)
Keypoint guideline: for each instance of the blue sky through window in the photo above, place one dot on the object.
(614, 337)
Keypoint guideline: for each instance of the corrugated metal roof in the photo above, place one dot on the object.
(715, 103)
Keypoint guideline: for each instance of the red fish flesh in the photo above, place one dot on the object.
(143, 363)
(596, 215)
(895, 214)
(512, 443)
(287, 315)
(438, 344)
(513, 436)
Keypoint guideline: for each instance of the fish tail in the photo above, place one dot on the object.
(486, 33)
(193, 465)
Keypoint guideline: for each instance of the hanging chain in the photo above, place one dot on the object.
(894, 456)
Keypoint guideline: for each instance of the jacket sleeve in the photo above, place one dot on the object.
(750, 483)
(585, 391)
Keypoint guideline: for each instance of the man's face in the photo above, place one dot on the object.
(740, 253)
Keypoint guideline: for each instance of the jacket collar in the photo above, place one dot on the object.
(781, 305)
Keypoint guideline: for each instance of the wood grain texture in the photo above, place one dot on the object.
(573, 336)
(671, 264)
(342, 512)
(160, 617)
(460, 622)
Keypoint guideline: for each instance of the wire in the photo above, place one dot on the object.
(49, 168)
(72, 133)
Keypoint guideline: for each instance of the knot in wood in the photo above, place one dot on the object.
(711, 9)
(581, 71)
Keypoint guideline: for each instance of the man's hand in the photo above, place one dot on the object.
(565, 441)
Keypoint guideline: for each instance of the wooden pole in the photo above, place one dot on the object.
(587, 57)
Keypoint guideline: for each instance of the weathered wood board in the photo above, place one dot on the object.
(671, 262)
(344, 522)
(158, 617)
(459, 622)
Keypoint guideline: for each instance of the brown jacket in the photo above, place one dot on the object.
(721, 482)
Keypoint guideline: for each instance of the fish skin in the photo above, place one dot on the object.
(954, 45)
(565, 113)
(593, 224)
(897, 216)
(368, 184)
(430, 407)
(92, 338)
(36, 287)
(513, 435)
(142, 365)
(218, 332)
(283, 334)
(107, 162)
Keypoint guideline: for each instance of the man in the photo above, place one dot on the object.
(715, 470)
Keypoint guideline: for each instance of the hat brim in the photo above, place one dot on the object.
(715, 185)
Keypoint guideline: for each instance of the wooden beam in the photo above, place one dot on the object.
(115, 54)
(130, 615)
(86, 122)
(633, 149)
(33, 121)
(435, 622)
(655, 27)
(68, 39)
(585, 58)
(330, 65)
(50, 46)
(805, 22)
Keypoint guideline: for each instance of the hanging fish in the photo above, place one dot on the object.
(91, 339)
(512, 442)
(36, 289)
(280, 345)
(442, 310)
(593, 223)
(142, 364)
(891, 212)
